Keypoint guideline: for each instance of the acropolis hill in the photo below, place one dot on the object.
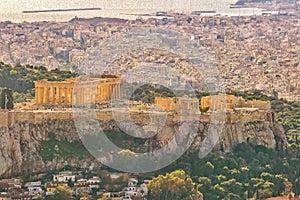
(24, 129)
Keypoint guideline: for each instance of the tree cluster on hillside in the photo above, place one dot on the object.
(6, 99)
(146, 93)
(248, 171)
(173, 186)
(62, 193)
(21, 78)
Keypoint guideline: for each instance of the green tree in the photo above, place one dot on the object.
(6, 99)
(204, 183)
(62, 193)
(173, 186)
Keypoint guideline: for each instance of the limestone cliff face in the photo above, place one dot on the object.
(260, 128)
(20, 142)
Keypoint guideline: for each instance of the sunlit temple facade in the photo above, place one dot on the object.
(77, 91)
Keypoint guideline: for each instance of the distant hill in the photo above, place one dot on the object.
(96, 20)
(242, 2)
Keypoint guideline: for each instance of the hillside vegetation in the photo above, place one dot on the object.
(21, 78)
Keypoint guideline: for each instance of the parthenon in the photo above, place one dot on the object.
(77, 91)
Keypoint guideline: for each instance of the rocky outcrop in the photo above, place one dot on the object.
(20, 143)
(259, 128)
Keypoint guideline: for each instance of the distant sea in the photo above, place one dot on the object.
(12, 9)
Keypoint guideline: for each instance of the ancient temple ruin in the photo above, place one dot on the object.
(178, 104)
(77, 91)
(224, 102)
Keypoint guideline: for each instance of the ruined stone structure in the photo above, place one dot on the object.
(225, 102)
(222, 102)
(178, 104)
(167, 104)
(77, 91)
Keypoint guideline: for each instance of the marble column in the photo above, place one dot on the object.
(119, 91)
(90, 94)
(82, 96)
(107, 92)
(56, 99)
(46, 95)
(55, 93)
(82, 93)
(115, 93)
(86, 95)
(71, 95)
(36, 94)
(40, 95)
(112, 94)
(214, 104)
(66, 95)
(78, 92)
(98, 93)
(51, 95)
(104, 93)
(59, 95)
(75, 96)
(94, 93)
(110, 91)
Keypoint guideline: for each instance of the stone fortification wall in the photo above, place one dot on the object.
(22, 133)
(8, 119)
(224, 102)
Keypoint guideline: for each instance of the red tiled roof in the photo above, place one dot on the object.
(282, 198)
(51, 186)
(4, 185)
(82, 186)
(3, 195)
(94, 179)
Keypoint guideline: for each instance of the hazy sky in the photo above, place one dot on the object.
(20, 5)
(12, 9)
